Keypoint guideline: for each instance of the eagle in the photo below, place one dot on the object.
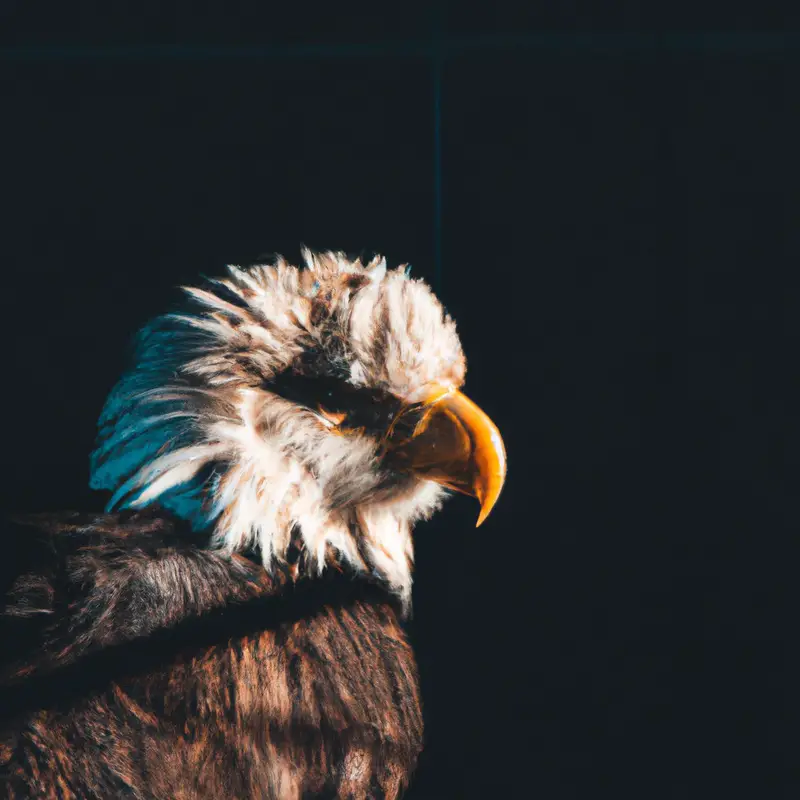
(232, 625)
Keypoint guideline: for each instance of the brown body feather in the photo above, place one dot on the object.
(137, 665)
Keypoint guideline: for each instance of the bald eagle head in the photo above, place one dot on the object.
(318, 405)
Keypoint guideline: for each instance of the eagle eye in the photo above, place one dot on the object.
(338, 401)
(334, 417)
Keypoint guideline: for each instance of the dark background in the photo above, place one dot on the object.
(614, 243)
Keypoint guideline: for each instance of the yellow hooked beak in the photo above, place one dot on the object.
(453, 443)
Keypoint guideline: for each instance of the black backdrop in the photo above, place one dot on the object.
(614, 243)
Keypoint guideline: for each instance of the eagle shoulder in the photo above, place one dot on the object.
(144, 666)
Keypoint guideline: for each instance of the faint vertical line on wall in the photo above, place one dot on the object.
(437, 171)
(438, 64)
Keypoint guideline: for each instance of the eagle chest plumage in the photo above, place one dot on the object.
(231, 627)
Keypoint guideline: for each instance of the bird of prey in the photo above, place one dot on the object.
(232, 624)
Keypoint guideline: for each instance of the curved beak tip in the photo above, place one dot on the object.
(489, 495)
